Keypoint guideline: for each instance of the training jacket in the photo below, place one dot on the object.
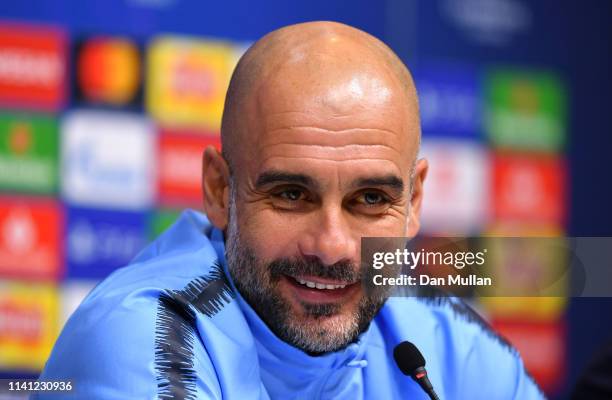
(172, 325)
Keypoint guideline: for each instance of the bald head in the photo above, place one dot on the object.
(308, 62)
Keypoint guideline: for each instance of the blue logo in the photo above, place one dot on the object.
(450, 101)
(100, 241)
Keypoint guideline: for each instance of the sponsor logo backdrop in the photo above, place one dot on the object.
(101, 138)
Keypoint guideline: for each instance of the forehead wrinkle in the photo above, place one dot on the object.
(361, 148)
(271, 160)
(315, 134)
(306, 118)
(322, 136)
(348, 159)
(307, 128)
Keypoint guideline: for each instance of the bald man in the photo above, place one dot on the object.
(261, 298)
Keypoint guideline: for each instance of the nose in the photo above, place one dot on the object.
(329, 237)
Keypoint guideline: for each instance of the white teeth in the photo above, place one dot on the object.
(320, 285)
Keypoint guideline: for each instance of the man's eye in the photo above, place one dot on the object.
(372, 198)
(291, 194)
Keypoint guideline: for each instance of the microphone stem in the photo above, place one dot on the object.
(432, 395)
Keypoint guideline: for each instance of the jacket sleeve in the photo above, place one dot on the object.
(130, 347)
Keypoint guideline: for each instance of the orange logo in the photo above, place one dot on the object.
(108, 70)
(20, 138)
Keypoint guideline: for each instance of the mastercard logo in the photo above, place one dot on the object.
(108, 71)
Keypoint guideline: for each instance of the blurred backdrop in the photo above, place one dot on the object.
(105, 107)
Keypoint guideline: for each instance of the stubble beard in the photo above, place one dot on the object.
(321, 328)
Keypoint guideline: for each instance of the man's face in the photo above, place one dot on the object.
(330, 164)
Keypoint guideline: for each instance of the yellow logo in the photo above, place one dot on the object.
(29, 315)
(187, 80)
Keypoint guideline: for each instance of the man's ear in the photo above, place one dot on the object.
(215, 186)
(414, 223)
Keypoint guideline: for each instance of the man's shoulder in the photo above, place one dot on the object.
(176, 267)
(129, 319)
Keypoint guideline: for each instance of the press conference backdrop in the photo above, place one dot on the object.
(106, 107)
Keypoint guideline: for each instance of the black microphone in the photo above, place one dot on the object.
(411, 362)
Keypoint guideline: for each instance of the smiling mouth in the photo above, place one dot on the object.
(315, 290)
(318, 285)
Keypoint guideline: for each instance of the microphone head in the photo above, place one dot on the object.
(408, 358)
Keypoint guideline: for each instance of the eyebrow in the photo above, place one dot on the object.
(273, 176)
(391, 181)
